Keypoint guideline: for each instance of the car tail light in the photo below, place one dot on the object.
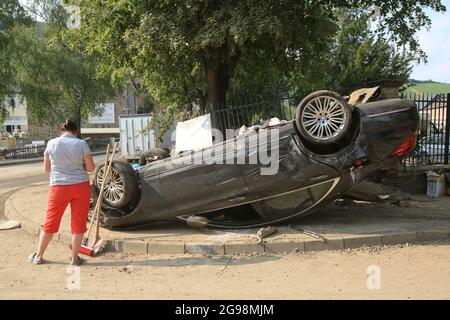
(405, 147)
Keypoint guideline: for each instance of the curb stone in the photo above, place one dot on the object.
(166, 248)
(327, 245)
(399, 238)
(432, 235)
(355, 243)
(205, 248)
(284, 247)
(243, 248)
(138, 247)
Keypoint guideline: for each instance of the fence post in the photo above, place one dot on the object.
(447, 130)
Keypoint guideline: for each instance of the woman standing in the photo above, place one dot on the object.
(68, 160)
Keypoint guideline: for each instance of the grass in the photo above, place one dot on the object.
(427, 87)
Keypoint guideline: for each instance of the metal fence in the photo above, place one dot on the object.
(22, 152)
(251, 111)
(433, 134)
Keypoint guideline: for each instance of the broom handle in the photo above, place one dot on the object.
(100, 198)
(107, 167)
(96, 204)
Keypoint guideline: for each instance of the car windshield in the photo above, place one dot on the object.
(295, 202)
(277, 208)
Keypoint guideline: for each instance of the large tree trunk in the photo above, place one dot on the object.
(77, 112)
(217, 78)
(218, 66)
(77, 121)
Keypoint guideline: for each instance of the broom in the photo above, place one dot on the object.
(90, 246)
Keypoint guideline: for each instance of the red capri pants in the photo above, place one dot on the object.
(59, 197)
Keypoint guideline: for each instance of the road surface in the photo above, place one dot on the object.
(413, 272)
(400, 272)
(13, 177)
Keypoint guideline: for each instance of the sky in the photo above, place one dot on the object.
(436, 44)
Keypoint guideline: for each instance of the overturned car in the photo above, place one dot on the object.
(269, 175)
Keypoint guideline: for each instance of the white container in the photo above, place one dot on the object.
(435, 185)
(135, 138)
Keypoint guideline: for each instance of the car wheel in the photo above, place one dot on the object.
(323, 117)
(122, 187)
(153, 155)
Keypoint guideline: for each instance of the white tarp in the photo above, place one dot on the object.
(194, 134)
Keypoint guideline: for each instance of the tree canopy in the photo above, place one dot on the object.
(11, 14)
(56, 81)
(188, 51)
(361, 56)
(192, 52)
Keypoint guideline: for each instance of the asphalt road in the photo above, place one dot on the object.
(16, 176)
(397, 272)
(21, 175)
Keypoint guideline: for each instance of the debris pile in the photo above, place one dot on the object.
(370, 192)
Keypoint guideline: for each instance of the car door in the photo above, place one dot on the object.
(295, 170)
(202, 186)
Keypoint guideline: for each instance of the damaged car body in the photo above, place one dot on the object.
(329, 147)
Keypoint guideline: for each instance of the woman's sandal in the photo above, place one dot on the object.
(33, 259)
(79, 262)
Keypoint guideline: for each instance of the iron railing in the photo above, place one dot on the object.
(22, 152)
(251, 111)
(433, 134)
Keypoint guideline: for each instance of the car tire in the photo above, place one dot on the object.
(323, 117)
(123, 187)
(153, 155)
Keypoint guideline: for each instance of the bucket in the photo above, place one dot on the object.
(436, 185)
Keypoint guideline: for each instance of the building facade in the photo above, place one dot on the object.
(104, 124)
(17, 120)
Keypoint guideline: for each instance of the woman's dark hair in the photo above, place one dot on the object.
(69, 126)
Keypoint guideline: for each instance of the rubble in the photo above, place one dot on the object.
(197, 221)
(265, 232)
(367, 191)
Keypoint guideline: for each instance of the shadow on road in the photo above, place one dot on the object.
(183, 262)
